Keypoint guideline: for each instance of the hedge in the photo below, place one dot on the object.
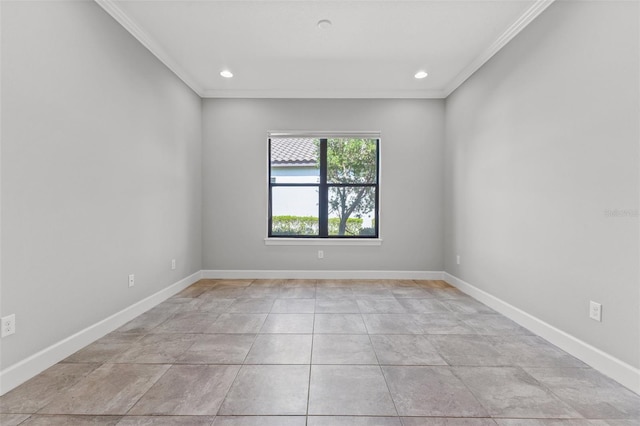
(308, 225)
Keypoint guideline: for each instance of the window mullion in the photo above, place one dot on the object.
(323, 195)
(377, 189)
(270, 222)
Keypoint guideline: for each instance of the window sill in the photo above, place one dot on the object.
(323, 242)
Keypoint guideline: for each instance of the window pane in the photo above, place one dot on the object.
(294, 210)
(351, 160)
(352, 210)
(295, 160)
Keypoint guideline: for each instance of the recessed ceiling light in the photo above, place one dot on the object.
(421, 74)
(226, 74)
(323, 24)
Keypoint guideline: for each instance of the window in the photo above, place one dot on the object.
(323, 186)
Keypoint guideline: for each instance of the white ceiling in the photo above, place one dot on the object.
(372, 50)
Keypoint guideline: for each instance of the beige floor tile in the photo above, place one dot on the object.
(412, 292)
(110, 389)
(260, 283)
(157, 349)
(493, 324)
(191, 292)
(467, 306)
(297, 293)
(380, 306)
(533, 351)
(281, 349)
(146, 322)
(100, 352)
(446, 421)
(268, 390)
(166, 421)
(288, 323)
(337, 306)
(232, 282)
(294, 306)
(187, 322)
(260, 421)
(403, 349)
(444, 323)
(12, 419)
(339, 324)
(188, 390)
(353, 421)
(261, 292)
(215, 305)
(343, 390)
(553, 422)
(50, 420)
(589, 392)
(226, 292)
(431, 391)
(511, 392)
(468, 350)
(251, 306)
(343, 349)
(238, 323)
(218, 349)
(43, 388)
(391, 324)
(334, 293)
(423, 306)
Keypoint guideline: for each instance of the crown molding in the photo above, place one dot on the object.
(147, 41)
(525, 19)
(326, 94)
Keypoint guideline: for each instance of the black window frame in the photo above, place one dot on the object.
(323, 192)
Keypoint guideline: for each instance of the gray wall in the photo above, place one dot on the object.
(235, 182)
(101, 176)
(541, 142)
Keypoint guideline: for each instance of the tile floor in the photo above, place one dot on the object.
(320, 353)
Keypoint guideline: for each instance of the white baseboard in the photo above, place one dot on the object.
(322, 275)
(616, 369)
(22, 371)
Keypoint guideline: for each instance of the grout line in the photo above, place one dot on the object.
(313, 334)
(384, 377)
(149, 388)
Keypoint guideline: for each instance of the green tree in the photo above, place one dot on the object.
(351, 161)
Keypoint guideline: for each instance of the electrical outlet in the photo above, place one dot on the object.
(8, 325)
(457, 259)
(173, 264)
(132, 280)
(595, 311)
(320, 254)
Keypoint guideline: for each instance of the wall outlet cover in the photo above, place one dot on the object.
(8, 324)
(595, 311)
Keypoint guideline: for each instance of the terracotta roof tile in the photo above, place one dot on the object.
(294, 151)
